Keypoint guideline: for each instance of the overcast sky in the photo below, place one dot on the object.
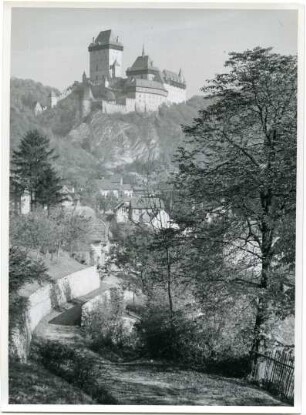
(49, 45)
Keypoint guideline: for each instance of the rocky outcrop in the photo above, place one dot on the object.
(117, 142)
(121, 139)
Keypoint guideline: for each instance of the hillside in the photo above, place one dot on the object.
(100, 142)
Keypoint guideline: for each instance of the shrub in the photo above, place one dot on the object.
(106, 329)
(189, 341)
(230, 366)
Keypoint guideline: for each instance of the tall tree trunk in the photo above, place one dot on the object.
(169, 284)
(258, 346)
(32, 201)
(170, 300)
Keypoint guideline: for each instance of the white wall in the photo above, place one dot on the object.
(122, 214)
(175, 95)
(43, 300)
(25, 203)
(64, 289)
(115, 54)
(148, 101)
(113, 108)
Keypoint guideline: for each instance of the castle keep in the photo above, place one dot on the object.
(144, 88)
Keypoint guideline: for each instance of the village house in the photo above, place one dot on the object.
(115, 187)
(146, 210)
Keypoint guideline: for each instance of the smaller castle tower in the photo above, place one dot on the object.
(84, 77)
(53, 99)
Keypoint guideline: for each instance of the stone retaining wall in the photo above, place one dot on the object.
(43, 300)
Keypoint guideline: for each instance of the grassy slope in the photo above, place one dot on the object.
(30, 383)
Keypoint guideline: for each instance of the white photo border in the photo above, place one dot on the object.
(300, 310)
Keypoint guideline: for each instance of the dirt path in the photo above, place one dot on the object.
(147, 383)
(155, 384)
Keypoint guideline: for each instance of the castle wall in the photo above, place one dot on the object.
(65, 94)
(53, 101)
(130, 104)
(56, 99)
(113, 108)
(86, 107)
(148, 101)
(175, 95)
(140, 101)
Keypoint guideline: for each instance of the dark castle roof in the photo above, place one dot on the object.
(172, 76)
(143, 64)
(106, 39)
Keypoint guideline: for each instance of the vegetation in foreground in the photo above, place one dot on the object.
(30, 384)
(146, 381)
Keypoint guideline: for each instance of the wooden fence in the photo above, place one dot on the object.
(275, 372)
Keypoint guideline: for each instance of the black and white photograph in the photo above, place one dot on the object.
(153, 163)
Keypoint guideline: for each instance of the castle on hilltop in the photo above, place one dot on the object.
(143, 89)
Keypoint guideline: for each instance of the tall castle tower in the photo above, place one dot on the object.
(105, 57)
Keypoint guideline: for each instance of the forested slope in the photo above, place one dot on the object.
(87, 146)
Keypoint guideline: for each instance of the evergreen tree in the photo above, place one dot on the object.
(33, 172)
(49, 188)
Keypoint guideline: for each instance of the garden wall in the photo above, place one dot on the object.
(47, 297)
